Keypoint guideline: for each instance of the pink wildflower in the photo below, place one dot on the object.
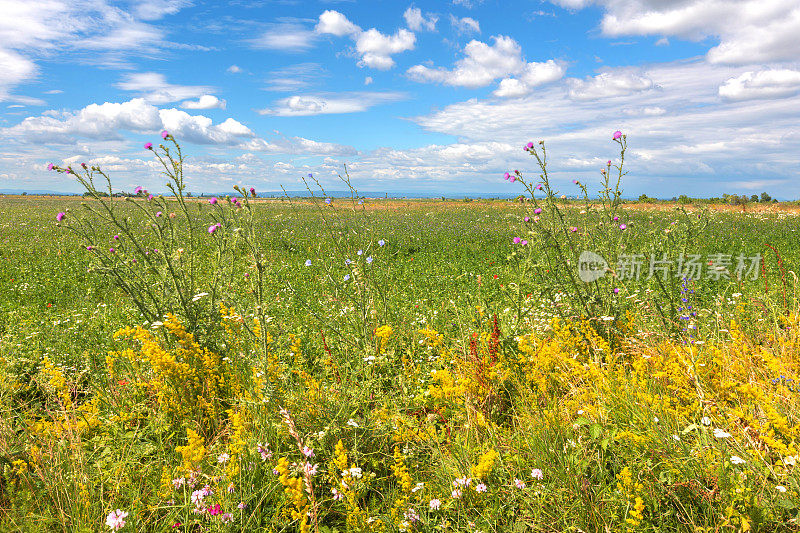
(148, 146)
(214, 510)
(617, 135)
(61, 216)
(164, 134)
(116, 519)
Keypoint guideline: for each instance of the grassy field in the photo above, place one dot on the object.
(391, 366)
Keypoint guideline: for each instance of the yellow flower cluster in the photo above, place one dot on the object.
(400, 472)
(194, 451)
(383, 333)
(57, 383)
(293, 488)
(629, 489)
(485, 465)
(188, 381)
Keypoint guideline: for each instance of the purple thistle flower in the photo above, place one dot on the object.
(512, 179)
(213, 200)
(253, 191)
(616, 218)
(617, 135)
(137, 190)
(61, 216)
(164, 134)
(111, 250)
(537, 211)
(517, 240)
(50, 166)
(524, 243)
(150, 196)
(540, 188)
(623, 226)
(616, 290)
(212, 228)
(506, 176)
(527, 219)
(115, 237)
(529, 145)
(608, 162)
(148, 146)
(158, 214)
(90, 248)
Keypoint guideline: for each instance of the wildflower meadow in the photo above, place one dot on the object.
(565, 361)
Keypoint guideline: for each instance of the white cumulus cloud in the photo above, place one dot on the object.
(465, 24)
(764, 84)
(749, 31)
(374, 48)
(416, 21)
(207, 101)
(483, 63)
(608, 85)
(106, 121)
(335, 23)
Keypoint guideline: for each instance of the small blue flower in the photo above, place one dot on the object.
(308, 262)
(369, 260)
(360, 252)
(347, 277)
(381, 242)
(347, 261)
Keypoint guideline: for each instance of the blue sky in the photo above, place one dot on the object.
(414, 97)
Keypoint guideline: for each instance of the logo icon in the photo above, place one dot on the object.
(591, 266)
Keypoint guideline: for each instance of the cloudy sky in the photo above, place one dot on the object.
(414, 97)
